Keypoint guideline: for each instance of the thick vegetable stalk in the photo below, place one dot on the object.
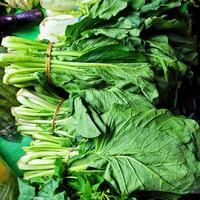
(37, 114)
(38, 49)
(53, 28)
(59, 51)
(34, 118)
(61, 14)
(75, 7)
(42, 155)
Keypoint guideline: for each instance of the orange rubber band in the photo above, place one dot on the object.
(56, 114)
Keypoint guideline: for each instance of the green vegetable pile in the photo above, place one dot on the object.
(102, 106)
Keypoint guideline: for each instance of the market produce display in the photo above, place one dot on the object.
(100, 96)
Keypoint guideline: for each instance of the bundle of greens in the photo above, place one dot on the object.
(111, 33)
(133, 139)
(37, 112)
(43, 156)
(36, 115)
(103, 68)
(138, 143)
(107, 139)
(74, 76)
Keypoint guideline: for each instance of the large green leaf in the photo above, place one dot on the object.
(83, 115)
(148, 149)
(167, 66)
(47, 190)
(126, 28)
(92, 103)
(154, 5)
(107, 9)
(137, 76)
(27, 192)
(102, 100)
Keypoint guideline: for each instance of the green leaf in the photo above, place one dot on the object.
(49, 187)
(90, 104)
(27, 192)
(110, 53)
(138, 77)
(83, 115)
(148, 149)
(59, 168)
(167, 67)
(153, 5)
(107, 9)
(87, 45)
(137, 4)
(126, 28)
(160, 5)
(103, 100)
(88, 186)
(48, 191)
(74, 31)
(160, 23)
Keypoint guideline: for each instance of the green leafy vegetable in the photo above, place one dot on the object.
(107, 139)
(107, 9)
(38, 108)
(76, 76)
(48, 190)
(143, 143)
(138, 140)
(26, 191)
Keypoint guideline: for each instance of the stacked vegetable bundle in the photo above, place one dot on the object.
(108, 139)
